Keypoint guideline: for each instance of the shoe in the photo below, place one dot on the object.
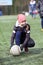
(26, 49)
(21, 47)
(42, 29)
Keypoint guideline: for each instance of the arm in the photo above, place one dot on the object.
(26, 39)
(12, 39)
(13, 36)
(38, 6)
(27, 29)
(15, 29)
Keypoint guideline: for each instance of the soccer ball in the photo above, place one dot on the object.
(15, 50)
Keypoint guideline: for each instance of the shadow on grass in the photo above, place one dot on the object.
(34, 51)
(11, 60)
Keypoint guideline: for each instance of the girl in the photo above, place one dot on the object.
(32, 8)
(40, 7)
(21, 34)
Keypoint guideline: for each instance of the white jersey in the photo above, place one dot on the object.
(32, 2)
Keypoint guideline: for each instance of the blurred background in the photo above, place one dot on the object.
(13, 7)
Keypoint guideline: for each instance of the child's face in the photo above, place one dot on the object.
(23, 23)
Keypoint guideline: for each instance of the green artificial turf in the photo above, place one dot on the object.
(35, 55)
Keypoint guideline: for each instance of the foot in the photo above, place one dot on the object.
(26, 49)
(42, 29)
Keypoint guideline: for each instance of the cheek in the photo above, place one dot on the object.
(24, 23)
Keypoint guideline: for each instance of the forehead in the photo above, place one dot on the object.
(24, 21)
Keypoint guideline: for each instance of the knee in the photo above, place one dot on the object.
(33, 44)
